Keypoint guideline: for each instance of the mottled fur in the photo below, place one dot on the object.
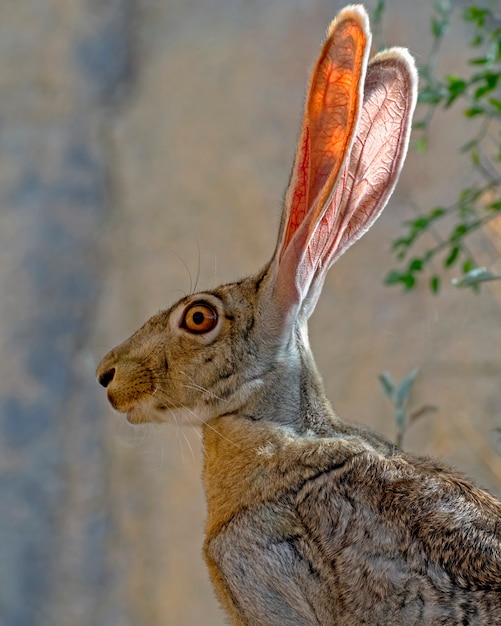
(313, 520)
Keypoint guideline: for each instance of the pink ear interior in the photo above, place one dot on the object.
(330, 117)
(376, 158)
(350, 152)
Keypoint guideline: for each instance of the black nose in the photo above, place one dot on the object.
(106, 378)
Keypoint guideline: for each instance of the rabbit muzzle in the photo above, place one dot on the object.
(130, 388)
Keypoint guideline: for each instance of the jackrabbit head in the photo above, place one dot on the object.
(215, 352)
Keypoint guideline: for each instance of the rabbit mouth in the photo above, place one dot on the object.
(146, 411)
(137, 416)
(145, 415)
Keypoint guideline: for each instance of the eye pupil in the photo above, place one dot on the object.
(198, 318)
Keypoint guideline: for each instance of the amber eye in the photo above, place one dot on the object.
(199, 318)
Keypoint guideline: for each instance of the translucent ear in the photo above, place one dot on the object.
(373, 167)
(342, 176)
(330, 119)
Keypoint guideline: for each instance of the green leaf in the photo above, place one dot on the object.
(416, 265)
(396, 277)
(451, 259)
(430, 95)
(408, 281)
(469, 194)
(475, 158)
(419, 124)
(477, 40)
(476, 15)
(439, 26)
(494, 206)
(401, 242)
(459, 232)
(435, 284)
(468, 265)
(420, 223)
(420, 145)
(387, 384)
(403, 392)
(455, 87)
(491, 82)
(437, 213)
(495, 103)
(378, 12)
(393, 278)
(474, 111)
(400, 419)
(479, 61)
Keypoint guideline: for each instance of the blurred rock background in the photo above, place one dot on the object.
(144, 149)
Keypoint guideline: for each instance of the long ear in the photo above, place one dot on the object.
(336, 195)
(332, 111)
(374, 165)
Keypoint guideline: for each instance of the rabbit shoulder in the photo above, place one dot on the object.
(334, 531)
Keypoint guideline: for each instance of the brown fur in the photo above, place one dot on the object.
(313, 520)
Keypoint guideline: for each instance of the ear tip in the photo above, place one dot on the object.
(397, 53)
(403, 58)
(355, 12)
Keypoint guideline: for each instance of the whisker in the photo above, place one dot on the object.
(189, 445)
(164, 396)
(202, 422)
(161, 394)
(153, 460)
(140, 435)
(206, 391)
(162, 452)
(198, 261)
(221, 435)
(176, 421)
(197, 387)
(187, 269)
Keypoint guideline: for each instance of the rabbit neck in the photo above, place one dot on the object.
(285, 432)
(247, 463)
(283, 408)
(291, 392)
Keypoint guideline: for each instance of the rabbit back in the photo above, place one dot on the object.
(344, 533)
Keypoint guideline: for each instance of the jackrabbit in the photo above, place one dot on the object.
(313, 520)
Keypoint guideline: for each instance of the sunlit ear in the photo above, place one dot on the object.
(374, 165)
(331, 115)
